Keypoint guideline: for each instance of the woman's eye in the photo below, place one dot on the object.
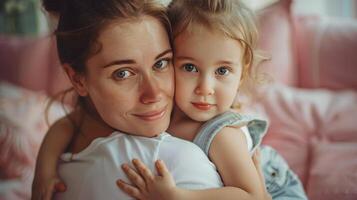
(122, 74)
(222, 71)
(161, 64)
(190, 68)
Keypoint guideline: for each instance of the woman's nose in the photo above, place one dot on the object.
(151, 91)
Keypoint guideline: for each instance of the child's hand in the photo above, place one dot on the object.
(43, 188)
(146, 185)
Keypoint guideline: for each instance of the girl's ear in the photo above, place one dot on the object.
(77, 80)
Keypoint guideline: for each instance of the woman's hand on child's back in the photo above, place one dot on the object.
(147, 186)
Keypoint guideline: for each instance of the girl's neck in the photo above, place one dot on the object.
(182, 126)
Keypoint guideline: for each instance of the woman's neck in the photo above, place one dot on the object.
(89, 128)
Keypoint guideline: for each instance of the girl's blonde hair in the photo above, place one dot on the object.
(230, 17)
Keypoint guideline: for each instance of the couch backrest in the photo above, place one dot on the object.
(277, 41)
(308, 51)
(31, 63)
(326, 52)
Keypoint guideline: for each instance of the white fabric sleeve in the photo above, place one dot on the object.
(248, 137)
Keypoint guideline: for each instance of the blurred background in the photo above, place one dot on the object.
(311, 104)
(26, 17)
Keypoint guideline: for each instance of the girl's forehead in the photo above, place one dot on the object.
(196, 28)
(206, 46)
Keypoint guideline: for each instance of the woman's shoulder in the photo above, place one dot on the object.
(175, 141)
(182, 148)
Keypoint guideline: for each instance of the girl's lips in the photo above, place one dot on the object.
(152, 115)
(202, 106)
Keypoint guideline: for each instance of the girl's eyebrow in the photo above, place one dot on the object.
(225, 62)
(220, 62)
(131, 61)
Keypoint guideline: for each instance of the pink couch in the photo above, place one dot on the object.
(312, 106)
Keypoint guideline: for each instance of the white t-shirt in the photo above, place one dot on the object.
(93, 172)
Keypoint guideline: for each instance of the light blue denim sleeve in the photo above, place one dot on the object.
(281, 182)
(257, 129)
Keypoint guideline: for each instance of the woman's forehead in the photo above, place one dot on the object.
(141, 39)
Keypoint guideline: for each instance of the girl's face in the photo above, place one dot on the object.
(130, 81)
(208, 68)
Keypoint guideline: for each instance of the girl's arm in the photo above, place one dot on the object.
(230, 154)
(228, 151)
(46, 180)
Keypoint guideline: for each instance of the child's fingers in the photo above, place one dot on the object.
(60, 187)
(143, 170)
(161, 168)
(134, 177)
(129, 189)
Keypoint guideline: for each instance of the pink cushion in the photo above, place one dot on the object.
(291, 126)
(22, 127)
(327, 52)
(302, 121)
(276, 40)
(333, 173)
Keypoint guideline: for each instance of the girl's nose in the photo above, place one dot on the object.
(204, 87)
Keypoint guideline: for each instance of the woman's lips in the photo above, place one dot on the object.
(202, 106)
(152, 115)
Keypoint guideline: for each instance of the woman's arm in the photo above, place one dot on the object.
(229, 152)
(46, 180)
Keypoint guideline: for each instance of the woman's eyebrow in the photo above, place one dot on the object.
(119, 62)
(131, 61)
(163, 53)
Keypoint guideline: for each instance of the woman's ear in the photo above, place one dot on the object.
(77, 80)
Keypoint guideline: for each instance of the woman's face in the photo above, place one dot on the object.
(131, 80)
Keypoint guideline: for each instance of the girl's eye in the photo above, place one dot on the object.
(190, 68)
(222, 71)
(161, 64)
(122, 74)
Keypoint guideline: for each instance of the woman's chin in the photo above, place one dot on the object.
(155, 131)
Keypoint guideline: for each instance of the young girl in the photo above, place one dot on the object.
(214, 53)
